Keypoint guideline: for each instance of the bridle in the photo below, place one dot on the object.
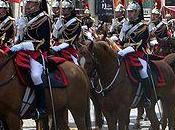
(94, 71)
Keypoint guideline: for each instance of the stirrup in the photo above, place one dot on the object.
(37, 115)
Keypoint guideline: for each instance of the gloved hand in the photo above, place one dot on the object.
(27, 45)
(60, 47)
(16, 48)
(126, 51)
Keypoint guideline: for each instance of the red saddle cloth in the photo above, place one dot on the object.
(67, 52)
(134, 77)
(22, 62)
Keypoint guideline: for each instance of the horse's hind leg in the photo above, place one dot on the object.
(62, 119)
(111, 120)
(79, 117)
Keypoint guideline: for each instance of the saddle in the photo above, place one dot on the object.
(153, 70)
(56, 74)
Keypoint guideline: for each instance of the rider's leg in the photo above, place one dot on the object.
(36, 72)
(145, 82)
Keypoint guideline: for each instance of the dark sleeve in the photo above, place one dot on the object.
(44, 32)
(10, 33)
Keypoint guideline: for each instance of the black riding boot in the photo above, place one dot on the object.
(40, 102)
(146, 85)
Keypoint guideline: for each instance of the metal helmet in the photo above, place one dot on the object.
(120, 8)
(156, 11)
(3, 4)
(133, 6)
(55, 4)
(67, 4)
(86, 11)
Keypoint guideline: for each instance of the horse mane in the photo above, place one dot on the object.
(107, 48)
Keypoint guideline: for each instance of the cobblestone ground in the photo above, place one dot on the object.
(30, 124)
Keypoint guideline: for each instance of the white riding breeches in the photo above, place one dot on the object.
(36, 71)
(143, 71)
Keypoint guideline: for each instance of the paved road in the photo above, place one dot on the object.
(30, 124)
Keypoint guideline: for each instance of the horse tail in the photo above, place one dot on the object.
(170, 59)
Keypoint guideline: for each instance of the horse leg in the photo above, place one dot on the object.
(152, 117)
(79, 117)
(124, 120)
(97, 109)
(140, 112)
(111, 120)
(62, 119)
(13, 122)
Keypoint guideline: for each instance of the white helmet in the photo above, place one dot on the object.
(120, 8)
(3, 4)
(55, 4)
(67, 4)
(86, 11)
(133, 6)
(155, 11)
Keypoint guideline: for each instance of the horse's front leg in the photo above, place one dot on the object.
(123, 114)
(13, 122)
(111, 120)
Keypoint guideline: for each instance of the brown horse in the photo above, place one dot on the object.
(117, 92)
(74, 97)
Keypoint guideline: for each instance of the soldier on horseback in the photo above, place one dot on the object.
(7, 30)
(118, 21)
(134, 38)
(67, 31)
(55, 11)
(87, 19)
(36, 42)
(157, 28)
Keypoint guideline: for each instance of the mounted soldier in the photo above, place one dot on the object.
(66, 32)
(170, 24)
(55, 11)
(134, 37)
(157, 28)
(119, 20)
(35, 42)
(88, 26)
(7, 26)
(87, 19)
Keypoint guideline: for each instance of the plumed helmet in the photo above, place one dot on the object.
(86, 11)
(3, 4)
(55, 4)
(67, 4)
(156, 11)
(133, 6)
(120, 8)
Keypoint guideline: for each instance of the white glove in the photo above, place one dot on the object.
(60, 47)
(27, 45)
(126, 51)
(153, 41)
(84, 27)
(89, 36)
(58, 28)
(21, 23)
